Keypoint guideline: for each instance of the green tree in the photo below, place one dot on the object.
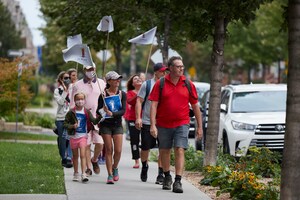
(9, 37)
(84, 16)
(213, 17)
(263, 41)
(291, 156)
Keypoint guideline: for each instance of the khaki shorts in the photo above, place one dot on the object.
(94, 137)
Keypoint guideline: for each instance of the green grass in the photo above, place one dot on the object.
(30, 169)
(26, 136)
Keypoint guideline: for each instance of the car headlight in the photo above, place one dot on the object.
(242, 126)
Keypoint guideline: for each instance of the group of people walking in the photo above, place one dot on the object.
(156, 111)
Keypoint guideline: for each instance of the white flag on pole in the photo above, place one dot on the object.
(106, 24)
(79, 53)
(72, 40)
(145, 38)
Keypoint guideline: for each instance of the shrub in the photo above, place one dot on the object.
(8, 86)
(241, 177)
(262, 161)
(32, 119)
(193, 159)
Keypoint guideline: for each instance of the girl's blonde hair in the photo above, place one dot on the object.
(78, 93)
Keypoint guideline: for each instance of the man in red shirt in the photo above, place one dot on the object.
(169, 119)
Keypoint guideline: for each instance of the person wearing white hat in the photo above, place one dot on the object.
(93, 87)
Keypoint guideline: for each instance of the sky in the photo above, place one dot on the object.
(34, 20)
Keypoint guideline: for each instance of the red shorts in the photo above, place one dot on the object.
(78, 142)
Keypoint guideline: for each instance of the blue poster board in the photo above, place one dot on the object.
(113, 103)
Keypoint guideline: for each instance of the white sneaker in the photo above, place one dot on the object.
(84, 178)
(76, 177)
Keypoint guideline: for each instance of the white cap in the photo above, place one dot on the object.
(112, 75)
(88, 66)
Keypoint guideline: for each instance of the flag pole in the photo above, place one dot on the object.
(148, 59)
(101, 92)
(77, 67)
(149, 56)
(104, 57)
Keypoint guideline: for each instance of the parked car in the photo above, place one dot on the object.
(204, 106)
(252, 115)
(201, 88)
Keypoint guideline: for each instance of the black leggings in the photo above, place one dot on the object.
(134, 140)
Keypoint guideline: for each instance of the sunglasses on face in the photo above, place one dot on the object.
(66, 78)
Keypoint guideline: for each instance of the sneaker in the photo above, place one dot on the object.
(144, 174)
(136, 166)
(76, 177)
(88, 172)
(159, 179)
(167, 183)
(110, 180)
(101, 160)
(115, 174)
(96, 167)
(64, 162)
(128, 137)
(84, 178)
(177, 187)
(69, 163)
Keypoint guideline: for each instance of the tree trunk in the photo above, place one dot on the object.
(165, 49)
(264, 72)
(291, 158)
(249, 74)
(216, 75)
(133, 58)
(117, 52)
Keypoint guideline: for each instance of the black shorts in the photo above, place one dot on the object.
(147, 140)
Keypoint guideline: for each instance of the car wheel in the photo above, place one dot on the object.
(226, 149)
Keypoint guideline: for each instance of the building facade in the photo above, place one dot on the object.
(21, 25)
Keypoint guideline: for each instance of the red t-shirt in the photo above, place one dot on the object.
(173, 108)
(130, 105)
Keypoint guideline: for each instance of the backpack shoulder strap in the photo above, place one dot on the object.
(188, 85)
(161, 86)
(148, 87)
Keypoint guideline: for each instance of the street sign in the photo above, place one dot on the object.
(157, 56)
(101, 56)
(15, 53)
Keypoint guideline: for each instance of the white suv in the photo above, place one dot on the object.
(252, 115)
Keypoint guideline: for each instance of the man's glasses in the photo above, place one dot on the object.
(66, 78)
(179, 66)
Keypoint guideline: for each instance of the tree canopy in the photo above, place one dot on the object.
(9, 36)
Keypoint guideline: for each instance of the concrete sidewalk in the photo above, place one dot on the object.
(129, 186)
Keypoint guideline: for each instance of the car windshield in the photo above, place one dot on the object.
(201, 91)
(259, 101)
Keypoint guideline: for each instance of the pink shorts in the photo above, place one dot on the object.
(78, 142)
(94, 137)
